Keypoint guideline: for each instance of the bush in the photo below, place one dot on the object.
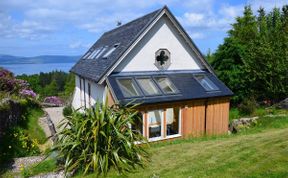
(99, 139)
(16, 143)
(248, 106)
(53, 100)
(67, 111)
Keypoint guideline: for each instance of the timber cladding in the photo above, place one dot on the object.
(198, 117)
(210, 117)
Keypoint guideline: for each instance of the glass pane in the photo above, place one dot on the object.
(166, 85)
(206, 83)
(94, 53)
(154, 120)
(128, 88)
(172, 121)
(137, 126)
(101, 52)
(111, 51)
(148, 86)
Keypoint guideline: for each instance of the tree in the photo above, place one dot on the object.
(252, 61)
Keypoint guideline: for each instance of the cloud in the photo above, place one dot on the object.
(197, 35)
(81, 22)
(79, 44)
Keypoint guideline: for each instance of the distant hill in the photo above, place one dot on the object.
(44, 59)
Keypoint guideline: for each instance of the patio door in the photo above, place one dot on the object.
(163, 124)
(155, 125)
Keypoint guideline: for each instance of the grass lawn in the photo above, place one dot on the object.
(261, 151)
(258, 152)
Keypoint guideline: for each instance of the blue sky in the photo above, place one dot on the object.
(67, 27)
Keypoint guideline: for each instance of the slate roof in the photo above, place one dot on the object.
(125, 35)
(189, 88)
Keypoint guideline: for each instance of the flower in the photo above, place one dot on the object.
(5, 73)
(9, 146)
(53, 100)
(29, 93)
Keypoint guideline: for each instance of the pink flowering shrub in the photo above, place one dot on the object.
(27, 93)
(9, 84)
(53, 100)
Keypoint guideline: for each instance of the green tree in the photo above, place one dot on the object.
(51, 89)
(252, 61)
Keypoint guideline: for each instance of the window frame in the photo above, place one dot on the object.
(155, 85)
(161, 137)
(100, 53)
(179, 125)
(138, 90)
(111, 50)
(207, 80)
(94, 53)
(164, 135)
(173, 85)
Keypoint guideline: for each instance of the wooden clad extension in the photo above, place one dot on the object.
(205, 117)
(193, 119)
(217, 116)
(198, 117)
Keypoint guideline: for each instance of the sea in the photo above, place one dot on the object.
(29, 69)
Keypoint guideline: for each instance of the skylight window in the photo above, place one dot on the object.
(128, 88)
(166, 85)
(110, 51)
(148, 86)
(206, 83)
(94, 53)
(86, 55)
(101, 52)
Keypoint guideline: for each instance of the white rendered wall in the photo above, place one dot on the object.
(97, 93)
(162, 35)
(76, 103)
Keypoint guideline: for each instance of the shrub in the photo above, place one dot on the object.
(16, 143)
(27, 93)
(248, 106)
(67, 110)
(100, 139)
(53, 100)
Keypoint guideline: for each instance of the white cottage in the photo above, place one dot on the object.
(153, 61)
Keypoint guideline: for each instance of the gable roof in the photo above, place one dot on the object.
(126, 36)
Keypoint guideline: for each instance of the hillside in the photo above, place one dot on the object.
(8, 59)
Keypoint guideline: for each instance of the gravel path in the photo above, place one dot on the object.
(56, 115)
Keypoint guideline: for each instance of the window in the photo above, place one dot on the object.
(163, 124)
(148, 86)
(94, 53)
(101, 51)
(111, 51)
(172, 121)
(206, 83)
(128, 88)
(86, 55)
(166, 85)
(155, 123)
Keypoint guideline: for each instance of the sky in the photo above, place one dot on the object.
(70, 27)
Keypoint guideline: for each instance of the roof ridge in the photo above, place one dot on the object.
(132, 21)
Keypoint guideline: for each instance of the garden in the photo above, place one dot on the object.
(19, 130)
(252, 61)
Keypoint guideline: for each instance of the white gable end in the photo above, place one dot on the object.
(162, 35)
